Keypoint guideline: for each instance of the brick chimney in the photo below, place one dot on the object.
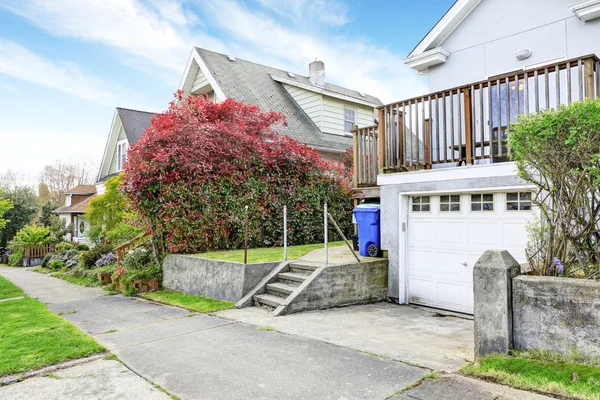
(316, 73)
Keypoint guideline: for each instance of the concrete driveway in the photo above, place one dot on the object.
(433, 339)
(313, 356)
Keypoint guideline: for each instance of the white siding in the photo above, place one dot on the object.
(199, 82)
(333, 115)
(311, 102)
(547, 28)
(113, 160)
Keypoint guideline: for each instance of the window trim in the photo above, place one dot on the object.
(482, 202)
(121, 144)
(346, 120)
(518, 201)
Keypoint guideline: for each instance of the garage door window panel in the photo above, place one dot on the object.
(421, 204)
(450, 203)
(518, 201)
(482, 202)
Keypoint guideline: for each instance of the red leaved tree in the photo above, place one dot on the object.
(200, 163)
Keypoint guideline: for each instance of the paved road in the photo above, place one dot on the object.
(206, 357)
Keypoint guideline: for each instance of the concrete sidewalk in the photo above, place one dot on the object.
(205, 357)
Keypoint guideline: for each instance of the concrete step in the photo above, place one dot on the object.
(292, 277)
(269, 300)
(281, 288)
(303, 267)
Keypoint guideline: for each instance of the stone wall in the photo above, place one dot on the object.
(223, 280)
(341, 285)
(512, 311)
(557, 314)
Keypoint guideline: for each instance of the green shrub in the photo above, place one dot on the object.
(16, 258)
(62, 246)
(90, 257)
(32, 235)
(56, 265)
(82, 247)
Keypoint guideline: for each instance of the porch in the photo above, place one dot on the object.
(465, 125)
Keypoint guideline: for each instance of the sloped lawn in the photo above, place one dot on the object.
(32, 337)
(540, 373)
(9, 290)
(265, 254)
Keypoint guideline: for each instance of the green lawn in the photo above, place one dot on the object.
(89, 281)
(31, 337)
(265, 254)
(8, 290)
(541, 373)
(193, 302)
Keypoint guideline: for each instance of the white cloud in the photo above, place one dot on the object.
(19, 62)
(351, 62)
(310, 13)
(125, 24)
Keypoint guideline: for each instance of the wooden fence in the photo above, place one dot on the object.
(38, 251)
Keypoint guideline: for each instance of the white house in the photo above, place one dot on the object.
(73, 212)
(319, 114)
(447, 188)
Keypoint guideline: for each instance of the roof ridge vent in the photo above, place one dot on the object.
(232, 58)
(291, 75)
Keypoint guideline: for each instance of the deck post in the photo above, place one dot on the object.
(468, 110)
(588, 77)
(381, 134)
(355, 157)
(400, 138)
(428, 143)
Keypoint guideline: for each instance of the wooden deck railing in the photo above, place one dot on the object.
(366, 160)
(470, 122)
(40, 251)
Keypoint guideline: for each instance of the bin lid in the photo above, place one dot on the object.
(367, 208)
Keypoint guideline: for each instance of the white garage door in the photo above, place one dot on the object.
(448, 233)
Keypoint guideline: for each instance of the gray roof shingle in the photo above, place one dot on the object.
(134, 123)
(252, 83)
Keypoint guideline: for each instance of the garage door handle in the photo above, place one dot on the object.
(465, 264)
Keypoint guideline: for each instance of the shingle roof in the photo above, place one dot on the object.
(252, 83)
(82, 189)
(79, 207)
(134, 123)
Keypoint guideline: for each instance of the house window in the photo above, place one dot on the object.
(81, 228)
(482, 202)
(420, 203)
(450, 203)
(121, 155)
(518, 201)
(349, 119)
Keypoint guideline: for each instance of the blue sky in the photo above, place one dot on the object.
(66, 64)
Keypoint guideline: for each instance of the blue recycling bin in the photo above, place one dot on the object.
(369, 229)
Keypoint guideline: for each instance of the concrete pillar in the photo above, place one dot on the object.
(492, 286)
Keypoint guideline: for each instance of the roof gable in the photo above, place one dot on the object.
(445, 26)
(134, 123)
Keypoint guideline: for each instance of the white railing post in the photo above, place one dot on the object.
(284, 233)
(325, 233)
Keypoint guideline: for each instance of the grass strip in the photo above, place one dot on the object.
(9, 290)
(194, 302)
(32, 337)
(536, 372)
(268, 254)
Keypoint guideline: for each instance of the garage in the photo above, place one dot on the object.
(446, 235)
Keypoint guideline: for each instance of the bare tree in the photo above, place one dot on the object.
(61, 176)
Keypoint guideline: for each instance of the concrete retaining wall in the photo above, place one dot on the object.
(341, 285)
(223, 280)
(557, 314)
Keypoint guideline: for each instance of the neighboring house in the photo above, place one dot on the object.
(319, 114)
(453, 193)
(76, 202)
